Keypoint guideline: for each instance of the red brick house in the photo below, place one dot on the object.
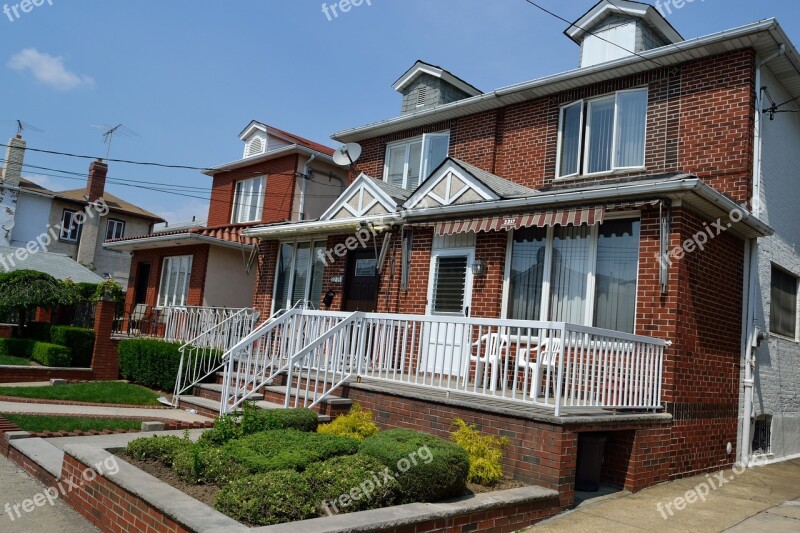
(577, 256)
(281, 177)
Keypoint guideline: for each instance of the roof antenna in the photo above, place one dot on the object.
(109, 132)
(22, 126)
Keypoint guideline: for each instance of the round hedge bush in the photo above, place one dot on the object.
(351, 483)
(427, 468)
(268, 499)
(158, 448)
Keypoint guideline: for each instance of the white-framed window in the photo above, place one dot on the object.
(299, 277)
(248, 202)
(70, 227)
(408, 163)
(603, 134)
(578, 274)
(783, 303)
(115, 229)
(176, 272)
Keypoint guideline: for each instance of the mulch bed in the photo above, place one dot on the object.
(204, 493)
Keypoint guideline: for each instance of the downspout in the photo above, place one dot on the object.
(752, 275)
(305, 177)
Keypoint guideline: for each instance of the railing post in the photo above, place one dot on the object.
(559, 384)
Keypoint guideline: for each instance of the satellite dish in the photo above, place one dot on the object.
(8, 226)
(347, 154)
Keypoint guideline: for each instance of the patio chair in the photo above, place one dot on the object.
(137, 317)
(546, 359)
(489, 351)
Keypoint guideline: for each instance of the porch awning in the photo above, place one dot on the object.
(575, 216)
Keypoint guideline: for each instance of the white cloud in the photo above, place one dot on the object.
(49, 70)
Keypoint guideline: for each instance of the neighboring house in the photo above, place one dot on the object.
(59, 266)
(645, 192)
(32, 210)
(281, 177)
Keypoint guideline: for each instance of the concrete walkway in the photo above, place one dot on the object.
(759, 499)
(18, 486)
(55, 409)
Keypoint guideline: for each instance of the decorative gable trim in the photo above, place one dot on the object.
(450, 185)
(362, 198)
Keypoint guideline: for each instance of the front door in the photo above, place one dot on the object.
(361, 282)
(449, 295)
(141, 283)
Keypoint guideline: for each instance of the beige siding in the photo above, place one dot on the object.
(321, 191)
(227, 283)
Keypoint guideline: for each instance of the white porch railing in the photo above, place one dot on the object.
(187, 323)
(201, 356)
(547, 364)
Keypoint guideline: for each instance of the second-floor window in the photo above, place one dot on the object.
(410, 162)
(70, 226)
(115, 229)
(603, 134)
(248, 203)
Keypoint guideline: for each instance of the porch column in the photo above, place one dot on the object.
(105, 359)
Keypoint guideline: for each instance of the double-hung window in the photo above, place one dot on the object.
(176, 272)
(248, 203)
(115, 229)
(783, 303)
(410, 162)
(70, 226)
(603, 134)
(578, 274)
(301, 266)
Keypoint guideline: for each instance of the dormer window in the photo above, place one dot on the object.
(254, 146)
(248, 203)
(410, 162)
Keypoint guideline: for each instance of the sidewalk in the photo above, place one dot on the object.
(760, 499)
(132, 412)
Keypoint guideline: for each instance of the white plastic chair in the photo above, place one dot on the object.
(546, 360)
(490, 350)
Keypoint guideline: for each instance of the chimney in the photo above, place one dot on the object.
(96, 184)
(15, 155)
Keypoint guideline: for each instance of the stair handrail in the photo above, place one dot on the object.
(204, 366)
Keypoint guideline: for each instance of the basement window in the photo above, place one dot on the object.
(762, 435)
(783, 303)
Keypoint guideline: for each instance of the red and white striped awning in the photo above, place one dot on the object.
(575, 216)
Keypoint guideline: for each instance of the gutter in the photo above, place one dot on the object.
(288, 150)
(178, 237)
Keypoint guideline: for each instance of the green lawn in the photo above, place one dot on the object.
(14, 361)
(100, 392)
(37, 424)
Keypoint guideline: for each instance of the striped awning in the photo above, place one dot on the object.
(575, 216)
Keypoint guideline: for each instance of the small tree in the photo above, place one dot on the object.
(23, 290)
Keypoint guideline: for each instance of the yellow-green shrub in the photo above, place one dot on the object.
(357, 424)
(485, 453)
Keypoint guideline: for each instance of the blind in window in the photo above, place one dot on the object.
(450, 279)
(783, 306)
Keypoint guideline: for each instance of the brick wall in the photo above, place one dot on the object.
(155, 257)
(279, 193)
(265, 277)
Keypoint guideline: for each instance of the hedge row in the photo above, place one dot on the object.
(79, 341)
(150, 362)
(43, 353)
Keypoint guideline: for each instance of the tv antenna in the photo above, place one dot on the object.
(347, 154)
(22, 126)
(110, 131)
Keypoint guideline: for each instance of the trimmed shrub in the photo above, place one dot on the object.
(429, 468)
(357, 424)
(485, 453)
(17, 347)
(268, 499)
(339, 476)
(149, 362)
(206, 465)
(79, 341)
(158, 448)
(255, 420)
(51, 354)
(225, 429)
(286, 449)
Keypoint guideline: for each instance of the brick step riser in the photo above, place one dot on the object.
(298, 381)
(331, 410)
(200, 409)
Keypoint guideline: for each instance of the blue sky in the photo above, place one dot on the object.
(188, 75)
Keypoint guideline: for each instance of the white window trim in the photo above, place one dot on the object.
(468, 282)
(64, 235)
(423, 168)
(259, 201)
(161, 301)
(115, 222)
(585, 137)
(292, 271)
(544, 308)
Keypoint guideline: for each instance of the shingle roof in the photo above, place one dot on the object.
(57, 265)
(302, 141)
(28, 185)
(229, 233)
(395, 193)
(501, 186)
(115, 203)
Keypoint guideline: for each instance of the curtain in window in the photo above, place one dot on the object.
(317, 273)
(601, 135)
(616, 275)
(302, 271)
(284, 276)
(569, 274)
(570, 140)
(527, 273)
(783, 307)
(414, 165)
(175, 276)
(631, 118)
(249, 201)
(397, 165)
